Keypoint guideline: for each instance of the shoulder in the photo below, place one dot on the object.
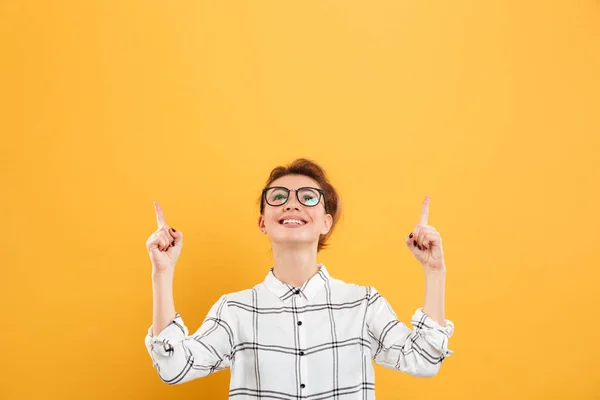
(245, 295)
(366, 291)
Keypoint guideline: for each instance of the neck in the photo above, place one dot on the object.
(295, 266)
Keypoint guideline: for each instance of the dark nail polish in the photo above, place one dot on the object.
(419, 247)
(173, 229)
(411, 235)
(173, 243)
(414, 242)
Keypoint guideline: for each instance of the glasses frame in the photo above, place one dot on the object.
(320, 191)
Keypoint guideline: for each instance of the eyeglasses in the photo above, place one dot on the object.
(307, 196)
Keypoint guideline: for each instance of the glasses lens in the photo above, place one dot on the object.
(309, 197)
(277, 196)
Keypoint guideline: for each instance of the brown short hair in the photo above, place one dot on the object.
(309, 168)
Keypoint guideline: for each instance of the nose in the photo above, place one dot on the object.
(292, 201)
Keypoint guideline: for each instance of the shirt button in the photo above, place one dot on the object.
(302, 386)
(297, 292)
(301, 353)
(299, 322)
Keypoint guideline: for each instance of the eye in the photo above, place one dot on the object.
(309, 200)
(278, 198)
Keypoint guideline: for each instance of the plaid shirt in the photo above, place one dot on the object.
(313, 342)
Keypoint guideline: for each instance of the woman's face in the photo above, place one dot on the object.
(294, 223)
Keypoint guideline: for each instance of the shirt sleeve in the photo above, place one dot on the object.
(418, 352)
(179, 357)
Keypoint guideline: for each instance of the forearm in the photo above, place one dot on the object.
(435, 287)
(163, 305)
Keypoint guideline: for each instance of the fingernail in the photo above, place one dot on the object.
(173, 229)
(411, 235)
(419, 247)
(173, 243)
(414, 242)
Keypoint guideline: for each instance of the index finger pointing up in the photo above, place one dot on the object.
(425, 211)
(160, 218)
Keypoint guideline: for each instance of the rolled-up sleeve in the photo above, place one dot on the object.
(179, 357)
(418, 352)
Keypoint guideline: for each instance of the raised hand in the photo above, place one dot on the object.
(164, 245)
(425, 242)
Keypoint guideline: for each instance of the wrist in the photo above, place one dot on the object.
(162, 277)
(435, 273)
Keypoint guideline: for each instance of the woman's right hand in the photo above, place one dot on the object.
(164, 245)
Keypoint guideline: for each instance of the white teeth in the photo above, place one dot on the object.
(293, 221)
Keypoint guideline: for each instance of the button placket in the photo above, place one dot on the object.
(301, 302)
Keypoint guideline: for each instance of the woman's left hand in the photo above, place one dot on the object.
(425, 243)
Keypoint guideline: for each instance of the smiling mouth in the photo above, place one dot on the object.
(292, 222)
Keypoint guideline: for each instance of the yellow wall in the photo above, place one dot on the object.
(490, 107)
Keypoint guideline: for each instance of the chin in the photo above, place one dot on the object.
(297, 240)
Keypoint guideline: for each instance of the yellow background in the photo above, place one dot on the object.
(490, 107)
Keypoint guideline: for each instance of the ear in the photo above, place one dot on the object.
(328, 222)
(261, 224)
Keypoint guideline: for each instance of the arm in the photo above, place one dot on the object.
(163, 305)
(425, 243)
(417, 352)
(179, 357)
(421, 351)
(435, 285)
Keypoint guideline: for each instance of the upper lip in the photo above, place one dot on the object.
(292, 217)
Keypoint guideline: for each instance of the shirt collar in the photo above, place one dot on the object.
(308, 290)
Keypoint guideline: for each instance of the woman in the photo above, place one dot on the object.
(300, 333)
